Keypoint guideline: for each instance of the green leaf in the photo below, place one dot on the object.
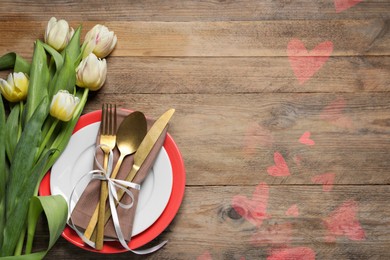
(14, 61)
(24, 155)
(65, 78)
(17, 213)
(56, 211)
(55, 54)
(56, 214)
(11, 125)
(39, 80)
(73, 48)
(3, 170)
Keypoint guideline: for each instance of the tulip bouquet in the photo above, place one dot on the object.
(39, 107)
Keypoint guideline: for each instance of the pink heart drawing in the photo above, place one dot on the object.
(253, 210)
(305, 64)
(205, 256)
(294, 253)
(256, 136)
(343, 222)
(305, 139)
(276, 234)
(293, 211)
(326, 179)
(342, 5)
(280, 168)
(333, 113)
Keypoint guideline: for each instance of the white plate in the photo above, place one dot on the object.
(77, 160)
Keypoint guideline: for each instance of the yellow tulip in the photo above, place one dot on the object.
(100, 41)
(58, 33)
(63, 105)
(91, 72)
(15, 88)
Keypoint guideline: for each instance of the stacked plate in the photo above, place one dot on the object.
(160, 196)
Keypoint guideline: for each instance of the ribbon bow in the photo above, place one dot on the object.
(113, 184)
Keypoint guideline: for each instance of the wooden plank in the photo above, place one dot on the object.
(223, 137)
(207, 222)
(189, 10)
(242, 75)
(259, 38)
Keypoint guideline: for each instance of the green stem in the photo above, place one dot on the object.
(47, 138)
(80, 57)
(21, 107)
(19, 245)
(30, 238)
(80, 107)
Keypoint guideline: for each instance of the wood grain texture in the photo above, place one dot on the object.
(188, 10)
(242, 132)
(214, 75)
(225, 67)
(243, 38)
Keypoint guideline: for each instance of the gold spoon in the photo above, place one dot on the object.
(129, 136)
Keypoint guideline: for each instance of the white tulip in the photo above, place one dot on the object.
(15, 88)
(100, 41)
(63, 105)
(91, 72)
(58, 33)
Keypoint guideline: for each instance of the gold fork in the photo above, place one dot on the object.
(107, 140)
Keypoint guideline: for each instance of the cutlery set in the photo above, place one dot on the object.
(131, 137)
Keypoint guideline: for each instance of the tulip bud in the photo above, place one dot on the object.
(100, 41)
(63, 105)
(58, 33)
(15, 88)
(91, 72)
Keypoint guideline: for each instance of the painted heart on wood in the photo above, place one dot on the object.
(293, 211)
(256, 136)
(342, 5)
(292, 253)
(280, 168)
(253, 210)
(326, 179)
(304, 63)
(305, 139)
(334, 114)
(343, 222)
(276, 234)
(205, 256)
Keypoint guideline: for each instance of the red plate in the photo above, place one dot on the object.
(161, 223)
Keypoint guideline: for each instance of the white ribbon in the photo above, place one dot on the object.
(113, 184)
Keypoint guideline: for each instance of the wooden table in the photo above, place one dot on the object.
(282, 118)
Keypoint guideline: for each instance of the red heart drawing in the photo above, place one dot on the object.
(253, 210)
(342, 5)
(326, 179)
(276, 234)
(343, 222)
(280, 168)
(333, 113)
(304, 63)
(305, 139)
(293, 211)
(294, 253)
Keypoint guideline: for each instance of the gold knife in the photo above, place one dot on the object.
(143, 151)
(147, 144)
